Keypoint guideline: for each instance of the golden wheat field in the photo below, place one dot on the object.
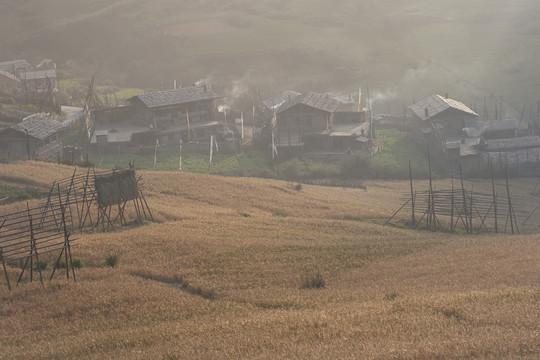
(220, 274)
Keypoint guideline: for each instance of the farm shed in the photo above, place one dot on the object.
(38, 81)
(9, 83)
(498, 129)
(15, 67)
(36, 136)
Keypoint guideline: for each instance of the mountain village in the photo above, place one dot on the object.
(197, 119)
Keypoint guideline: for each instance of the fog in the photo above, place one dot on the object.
(401, 50)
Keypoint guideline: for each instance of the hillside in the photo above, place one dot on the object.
(401, 50)
(221, 274)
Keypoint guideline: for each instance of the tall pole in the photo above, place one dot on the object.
(242, 121)
(27, 143)
(413, 220)
(431, 209)
(188, 126)
(180, 157)
(211, 148)
(370, 118)
(464, 202)
(155, 154)
(494, 196)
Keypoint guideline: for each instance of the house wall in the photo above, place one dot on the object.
(8, 85)
(169, 116)
(37, 85)
(14, 145)
(114, 115)
(453, 122)
(298, 121)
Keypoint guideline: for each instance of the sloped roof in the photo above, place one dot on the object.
(278, 100)
(177, 96)
(39, 126)
(436, 104)
(9, 75)
(41, 74)
(318, 101)
(10, 66)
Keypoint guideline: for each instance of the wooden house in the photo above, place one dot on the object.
(38, 81)
(305, 122)
(440, 122)
(315, 124)
(186, 113)
(9, 83)
(36, 136)
(15, 67)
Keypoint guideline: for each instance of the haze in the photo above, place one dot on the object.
(400, 49)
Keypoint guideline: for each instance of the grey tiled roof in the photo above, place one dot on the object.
(12, 65)
(436, 104)
(41, 74)
(318, 101)
(278, 100)
(177, 96)
(40, 126)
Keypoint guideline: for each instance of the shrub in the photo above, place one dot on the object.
(60, 264)
(314, 282)
(77, 262)
(41, 265)
(355, 166)
(112, 260)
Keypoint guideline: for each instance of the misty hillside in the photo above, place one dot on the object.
(401, 49)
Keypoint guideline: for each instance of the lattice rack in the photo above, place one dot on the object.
(81, 202)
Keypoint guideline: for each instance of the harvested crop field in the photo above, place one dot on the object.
(254, 268)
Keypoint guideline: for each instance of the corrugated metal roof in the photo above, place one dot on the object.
(40, 126)
(13, 65)
(513, 143)
(498, 125)
(41, 74)
(436, 104)
(177, 96)
(318, 101)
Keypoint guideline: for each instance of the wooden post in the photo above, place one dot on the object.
(431, 200)
(494, 197)
(452, 207)
(188, 126)
(5, 270)
(180, 157)
(464, 202)
(155, 154)
(509, 202)
(211, 149)
(413, 221)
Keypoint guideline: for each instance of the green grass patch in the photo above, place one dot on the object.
(10, 193)
(249, 163)
(393, 160)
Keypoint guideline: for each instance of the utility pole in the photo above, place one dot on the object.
(27, 143)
